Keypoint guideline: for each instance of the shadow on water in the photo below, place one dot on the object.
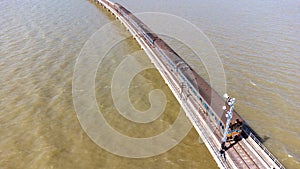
(247, 130)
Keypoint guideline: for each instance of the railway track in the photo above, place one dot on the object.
(244, 155)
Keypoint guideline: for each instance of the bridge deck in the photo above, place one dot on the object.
(246, 153)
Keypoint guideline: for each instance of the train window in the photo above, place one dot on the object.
(211, 113)
(205, 106)
(195, 94)
(200, 99)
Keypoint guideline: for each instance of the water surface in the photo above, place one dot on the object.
(258, 43)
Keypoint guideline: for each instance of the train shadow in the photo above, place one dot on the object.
(232, 143)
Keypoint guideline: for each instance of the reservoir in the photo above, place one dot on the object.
(40, 41)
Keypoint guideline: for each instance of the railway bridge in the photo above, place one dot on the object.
(246, 152)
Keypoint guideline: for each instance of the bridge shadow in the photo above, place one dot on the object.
(247, 129)
(233, 143)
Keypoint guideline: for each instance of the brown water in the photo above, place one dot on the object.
(258, 43)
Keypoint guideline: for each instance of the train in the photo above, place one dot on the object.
(210, 102)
